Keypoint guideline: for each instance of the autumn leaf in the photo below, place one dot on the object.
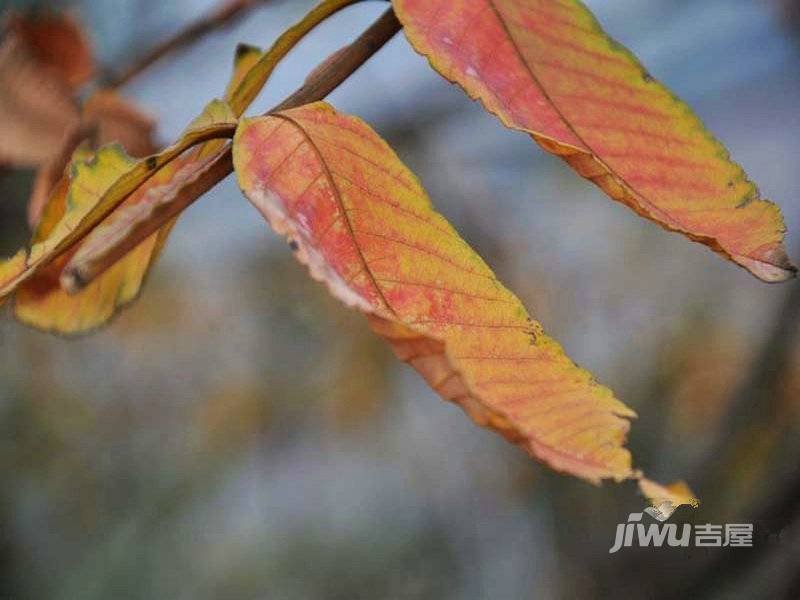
(99, 183)
(44, 58)
(60, 298)
(39, 300)
(365, 227)
(106, 118)
(102, 182)
(11, 269)
(36, 103)
(146, 210)
(160, 200)
(57, 42)
(246, 58)
(547, 68)
(252, 70)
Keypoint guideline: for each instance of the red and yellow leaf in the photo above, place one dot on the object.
(547, 68)
(365, 227)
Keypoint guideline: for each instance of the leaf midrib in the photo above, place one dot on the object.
(340, 203)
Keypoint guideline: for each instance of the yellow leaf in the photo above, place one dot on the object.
(153, 204)
(246, 58)
(10, 270)
(41, 302)
(173, 189)
(98, 185)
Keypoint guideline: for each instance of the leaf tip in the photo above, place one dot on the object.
(665, 499)
(244, 51)
(770, 266)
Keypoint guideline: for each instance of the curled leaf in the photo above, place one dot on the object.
(365, 227)
(155, 204)
(65, 297)
(246, 58)
(106, 118)
(39, 300)
(144, 213)
(547, 68)
(97, 186)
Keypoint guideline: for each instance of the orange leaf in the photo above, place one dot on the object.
(36, 105)
(365, 227)
(58, 43)
(547, 68)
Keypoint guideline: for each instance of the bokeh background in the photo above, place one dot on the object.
(238, 434)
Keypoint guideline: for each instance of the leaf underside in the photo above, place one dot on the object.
(547, 68)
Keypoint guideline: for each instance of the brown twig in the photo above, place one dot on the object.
(317, 87)
(225, 15)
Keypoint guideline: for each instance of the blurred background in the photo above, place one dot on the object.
(238, 434)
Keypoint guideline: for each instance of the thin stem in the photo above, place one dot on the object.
(255, 79)
(225, 15)
(321, 83)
